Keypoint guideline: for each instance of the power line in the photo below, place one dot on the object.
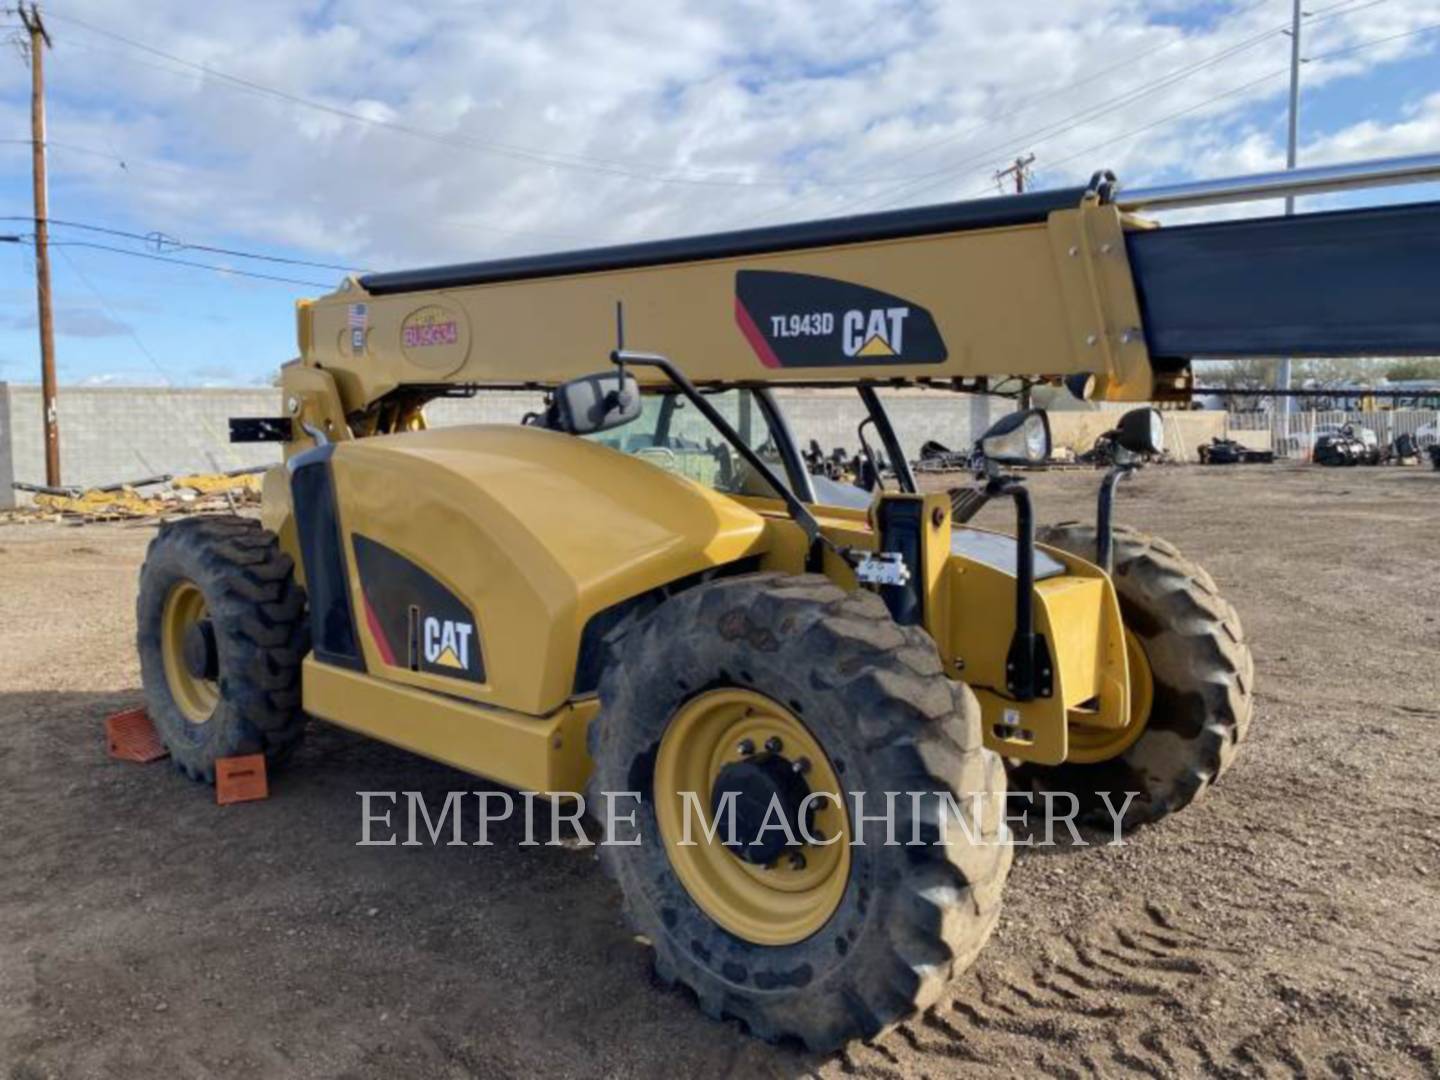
(557, 160)
(1227, 94)
(1025, 103)
(916, 185)
(1085, 116)
(566, 160)
(184, 262)
(1346, 50)
(1049, 131)
(130, 330)
(1232, 92)
(126, 161)
(163, 241)
(134, 336)
(909, 189)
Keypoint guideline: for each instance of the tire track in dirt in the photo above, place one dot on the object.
(1058, 1012)
(1130, 997)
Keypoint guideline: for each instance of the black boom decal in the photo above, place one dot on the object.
(800, 320)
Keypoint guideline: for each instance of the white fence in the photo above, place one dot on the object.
(1294, 435)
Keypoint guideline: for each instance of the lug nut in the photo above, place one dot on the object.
(801, 766)
(746, 747)
(773, 744)
(797, 861)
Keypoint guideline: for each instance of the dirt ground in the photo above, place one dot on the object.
(1287, 925)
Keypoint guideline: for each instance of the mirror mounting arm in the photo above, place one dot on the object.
(1028, 672)
(1105, 515)
(620, 347)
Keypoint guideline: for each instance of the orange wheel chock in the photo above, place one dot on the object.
(132, 737)
(240, 779)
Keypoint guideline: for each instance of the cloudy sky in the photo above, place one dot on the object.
(368, 134)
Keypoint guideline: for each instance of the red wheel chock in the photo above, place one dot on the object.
(240, 779)
(132, 737)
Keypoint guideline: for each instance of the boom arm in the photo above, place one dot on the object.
(1041, 285)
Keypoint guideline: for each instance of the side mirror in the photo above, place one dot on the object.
(594, 403)
(1142, 431)
(1021, 438)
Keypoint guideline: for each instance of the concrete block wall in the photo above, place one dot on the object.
(1185, 432)
(110, 434)
(831, 417)
(492, 407)
(828, 416)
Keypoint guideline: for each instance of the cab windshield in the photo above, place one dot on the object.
(673, 434)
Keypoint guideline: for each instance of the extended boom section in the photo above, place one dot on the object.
(1049, 284)
(1029, 286)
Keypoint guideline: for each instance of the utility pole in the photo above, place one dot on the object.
(1021, 172)
(980, 403)
(39, 42)
(1290, 147)
(1290, 154)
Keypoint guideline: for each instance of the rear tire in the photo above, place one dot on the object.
(230, 573)
(874, 698)
(1203, 683)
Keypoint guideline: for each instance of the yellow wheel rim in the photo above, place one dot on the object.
(195, 697)
(1091, 744)
(795, 896)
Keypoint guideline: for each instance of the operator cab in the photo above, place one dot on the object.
(662, 425)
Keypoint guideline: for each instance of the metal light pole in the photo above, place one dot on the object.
(1290, 150)
(1294, 98)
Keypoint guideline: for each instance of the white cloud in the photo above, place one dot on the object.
(126, 377)
(795, 100)
(1418, 133)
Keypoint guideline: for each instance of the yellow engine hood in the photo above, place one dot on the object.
(536, 532)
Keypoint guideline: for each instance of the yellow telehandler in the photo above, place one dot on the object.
(641, 589)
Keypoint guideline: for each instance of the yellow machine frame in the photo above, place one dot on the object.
(1045, 298)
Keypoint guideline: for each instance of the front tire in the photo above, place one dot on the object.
(1197, 670)
(831, 678)
(221, 634)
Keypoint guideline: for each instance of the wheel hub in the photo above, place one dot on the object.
(198, 650)
(732, 740)
(1091, 744)
(189, 652)
(758, 783)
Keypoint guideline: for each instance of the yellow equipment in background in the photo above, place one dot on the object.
(198, 493)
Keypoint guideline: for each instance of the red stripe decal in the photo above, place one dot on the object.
(752, 334)
(378, 634)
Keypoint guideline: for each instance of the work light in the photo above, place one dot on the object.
(1021, 438)
(1142, 431)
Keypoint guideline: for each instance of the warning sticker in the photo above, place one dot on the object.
(359, 323)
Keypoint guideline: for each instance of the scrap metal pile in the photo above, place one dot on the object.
(164, 495)
(1348, 446)
(1353, 445)
(937, 457)
(1230, 452)
(860, 468)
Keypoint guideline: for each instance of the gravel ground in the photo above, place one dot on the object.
(1287, 925)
